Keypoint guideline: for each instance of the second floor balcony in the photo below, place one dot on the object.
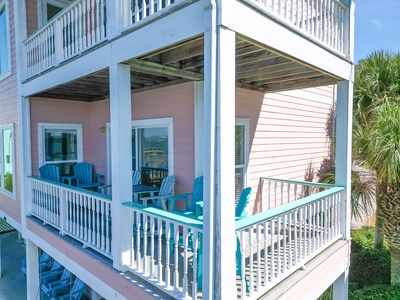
(85, 25)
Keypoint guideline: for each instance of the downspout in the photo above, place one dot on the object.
(210, 92)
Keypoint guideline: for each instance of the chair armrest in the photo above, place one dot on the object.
(102, 189)
(173, 199)
(137, 194)
(162, 199)
(97, 177)
(69, 296)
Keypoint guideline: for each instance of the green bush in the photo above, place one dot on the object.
(8, 182)
(362, 239)
(376, 292)
(370, 267)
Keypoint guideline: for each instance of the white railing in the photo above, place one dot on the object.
(276, 192)
(81, 214)
(326, 21)
(166, 250)
(275, 243)
(137, 10)
(78, 27)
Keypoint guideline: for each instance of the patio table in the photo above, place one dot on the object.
(142, 189)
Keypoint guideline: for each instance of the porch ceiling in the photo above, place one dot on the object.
(257, 68)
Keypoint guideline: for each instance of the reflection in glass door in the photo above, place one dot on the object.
(150, 154)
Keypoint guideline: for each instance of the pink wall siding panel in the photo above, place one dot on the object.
(9, 115)
(287, 132)
(31, 16)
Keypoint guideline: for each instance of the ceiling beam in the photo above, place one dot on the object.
(159, 69)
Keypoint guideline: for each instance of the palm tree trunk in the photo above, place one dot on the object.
(395, 266)
(381, 191)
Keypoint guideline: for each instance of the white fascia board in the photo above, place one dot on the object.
(259, 27)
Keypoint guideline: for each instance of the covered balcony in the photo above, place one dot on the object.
(302, 220)
(86, 25)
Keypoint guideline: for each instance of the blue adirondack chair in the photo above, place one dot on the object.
(50, 172)
(135, 181)
(45, 262)
(51, 274)
(160, 200)
(84, 176)
(51, 285)
(190, 198)
(75, 293)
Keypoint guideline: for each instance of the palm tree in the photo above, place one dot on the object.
(376, 142)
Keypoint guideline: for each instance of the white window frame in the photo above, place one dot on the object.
(246, 123)
(147, 123)
(2, 187)
(3, 3)
(42, 9)
(41, 143)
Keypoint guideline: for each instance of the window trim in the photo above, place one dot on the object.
(147, 123)
(3, 3)
(246, 123)
(41, 140)
(2, 187)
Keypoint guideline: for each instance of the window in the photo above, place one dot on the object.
(50, 8)
(241, 155)
(4, 41)
(152, 149)
(60, 144)
(7, 159)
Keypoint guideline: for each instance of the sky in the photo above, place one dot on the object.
(377, 27)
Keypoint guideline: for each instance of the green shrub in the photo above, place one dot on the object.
(370, 267)
(8, 182)
(363, 239)
(376, 292)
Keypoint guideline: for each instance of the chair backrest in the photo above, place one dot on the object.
(56, 265)
(197, 194)
(44, 257)
(84, 172)
(136, 177)
(240, 210)
(50, 172)
(77, 288)
(166, 185)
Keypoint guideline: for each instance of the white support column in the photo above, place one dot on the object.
(225, 240)
(210, 48)
(32, 270)
(340, 287)
(121, 161)
(344, 108)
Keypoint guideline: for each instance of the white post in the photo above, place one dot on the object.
(344, 108)
(225, 241)
(121, 161)
(32, 270)
(349, 32)
(340, 286)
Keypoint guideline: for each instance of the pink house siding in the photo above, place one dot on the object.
(9, 115)
(176, 102)
(287, 132)
(31, 16)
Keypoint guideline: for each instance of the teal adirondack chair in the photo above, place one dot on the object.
(75, 292)
(160, 200)
(84, 176)
(190, 198)
(50, 172)
(52, 274)
(45, 261)
(240, 213)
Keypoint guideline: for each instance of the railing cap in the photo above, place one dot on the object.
(274, 212)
